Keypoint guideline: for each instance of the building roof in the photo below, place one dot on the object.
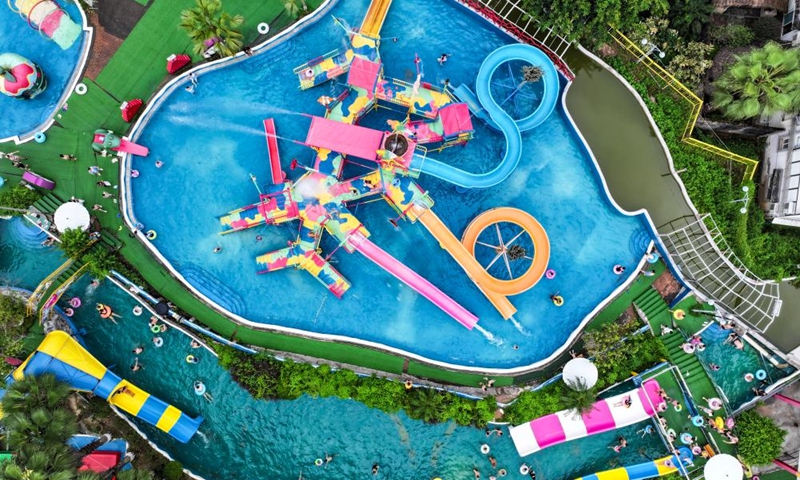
(780, 5)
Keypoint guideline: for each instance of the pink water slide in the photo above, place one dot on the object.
(412, 279)
(38, 180)
(278, 176)
(609, 414)
(132, 148)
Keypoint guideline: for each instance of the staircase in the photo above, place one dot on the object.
(109, 241)
(696, 377)
(655, 309)
(48, 203)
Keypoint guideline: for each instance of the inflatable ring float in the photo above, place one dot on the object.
(749, 377)
(318, 462)
(137, 310)
(81, 89)
(192, 359)
(104, 310)
(686, 438)
(155, 329)
(158, 341)
(677, 407)
(550, 274)
(714, 403)
(485, 449)
(696, 450)
(761, 374)
(618, 269)
(200, 388)
(688, 348)
(39, 137)
(308, 73)
(151, 235)
(558, 300)
(69, 312)
(678, 314)
(263, 28)
(671, 433)
(502, 472)
(719, 423)
(75, 302)
(134, 173)
(701, 348)
(652, 257)
(697, 421)
(523, 469)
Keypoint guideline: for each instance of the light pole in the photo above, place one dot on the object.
(745, 199)
(653, 48)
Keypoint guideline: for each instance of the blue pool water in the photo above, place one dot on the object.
(243, 438)
(734, 365)
(24, 116)
(24, 262)
(210, 142)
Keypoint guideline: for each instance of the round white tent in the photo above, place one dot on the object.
(723, 467)
(71, 216)
(580, 371)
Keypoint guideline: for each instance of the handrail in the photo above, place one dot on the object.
(36, 296)
(694, 101)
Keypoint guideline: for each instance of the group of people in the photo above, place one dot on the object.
(16, 160)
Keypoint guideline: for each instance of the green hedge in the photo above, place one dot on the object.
(267, 378)
(769, 252)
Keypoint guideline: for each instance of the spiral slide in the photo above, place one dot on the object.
(411, 278)
(656, 468)
(608, 414)
(62, 356)
(499, 118)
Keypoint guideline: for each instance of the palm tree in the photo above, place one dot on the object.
(32, 392)
(579, 397)
(206, 23)
(689, 17)
(760, 82)
(295, 7)
(425, 404)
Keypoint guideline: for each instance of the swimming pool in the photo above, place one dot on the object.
(24, 262)
(211, 140)
(284, 437)
(24, 117)
(734, 365)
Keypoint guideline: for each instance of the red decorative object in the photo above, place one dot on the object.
(130, 109)
(176, 62)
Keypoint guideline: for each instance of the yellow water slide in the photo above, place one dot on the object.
(373, 21)
(463, 252)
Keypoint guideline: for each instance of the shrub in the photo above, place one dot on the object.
(760, 439)
(18, 197)
(173, 470)
(732, 36)
(73, 242)
(100, 261)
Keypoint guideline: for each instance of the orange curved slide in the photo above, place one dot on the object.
(463, 251)
(373, 20)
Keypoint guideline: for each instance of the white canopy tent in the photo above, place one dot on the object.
(71, 216)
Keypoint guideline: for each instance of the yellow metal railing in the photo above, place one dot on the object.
(58, 292)
(44, 285)
(694, 101)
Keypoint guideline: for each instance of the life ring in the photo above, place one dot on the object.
(199, 388)
(75, 302)
(81, 89)
(39, 137)
(697, 421)
(686, 438)
(550, 274)
(137, 310)
(158, 342)
(701, 347)
(134, 173)
(749, 377)
(263, 28)
(677, 407)
(761, 374)
(69, 312)
(558, 300)
(502, 472)
(104, 310)
(652, 257)
(156, 328)
(318, 462)
(730, 422)
(719, 422)
(619, 269)
(485, 449)
(151, 235)
(714, 403)
(308, 73)
(688, 348)
(678, 314)
(192, 359)
(671, 433)
(697, 450)
(523, 469)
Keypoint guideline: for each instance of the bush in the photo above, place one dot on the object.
(766, 29)
(760, 439)
(100, 261)
(14, 324)
(73, 242)
(17, 197)
(173, 470)
(732, 36)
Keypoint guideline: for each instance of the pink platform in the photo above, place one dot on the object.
(344, 138)
(455, 119)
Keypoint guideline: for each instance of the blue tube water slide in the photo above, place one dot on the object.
(498, 118)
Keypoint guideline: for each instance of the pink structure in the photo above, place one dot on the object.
(608, 414)
(278, 175)
(38, 180)
(789, 400)
(411, 278)
(787, 467)
(344, 138)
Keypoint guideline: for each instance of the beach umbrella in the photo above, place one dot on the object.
(580, 371)
(723, 467)
(71, 216)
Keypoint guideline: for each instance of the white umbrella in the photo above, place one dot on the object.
(580, 371)
(70, 216)
(723, 467)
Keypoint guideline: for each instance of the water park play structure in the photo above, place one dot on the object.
(21, 77)
(609, 414)
(676, 463)
(47, 17)
(62, 356)
(319, 198)
(108, 140)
